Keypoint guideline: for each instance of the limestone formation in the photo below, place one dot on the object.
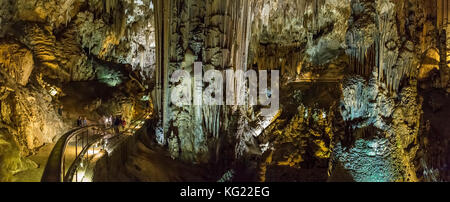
(363, 87)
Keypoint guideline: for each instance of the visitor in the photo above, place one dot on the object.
(104, 120)
(119, 123)
(110, 121)
(60, 110)
(79, 122)
(123, 123)
(84, 123)
(116, 124)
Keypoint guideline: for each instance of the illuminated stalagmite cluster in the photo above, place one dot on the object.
(363, 87)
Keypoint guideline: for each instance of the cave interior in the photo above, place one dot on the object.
(87, 87)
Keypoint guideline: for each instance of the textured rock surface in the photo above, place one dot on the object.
(366, 101)
(384, 130)
(28, 116)
(16, 61)
(364, 85)
(45, 45)
(287, 33)
(36, 118)
(128, 39)
(378, 43)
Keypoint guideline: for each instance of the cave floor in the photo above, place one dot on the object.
(155, 165)
(41, 157)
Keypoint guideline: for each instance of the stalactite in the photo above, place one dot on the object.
(380, 49)
(381, 40)
(111, 5)
(362, 58)
(391, 67)
(241, 17)
(211, 117)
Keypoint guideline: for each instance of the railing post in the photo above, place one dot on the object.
(64, 165)
(93, 146)
(76, 154)
(82, 140)
(87, 141)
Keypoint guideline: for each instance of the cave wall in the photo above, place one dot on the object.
(372, 49)
(28, 116)
(215, 33)
(379, 56)
(45, 45)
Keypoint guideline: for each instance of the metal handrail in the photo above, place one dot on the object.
(54, 170)
(68, 177)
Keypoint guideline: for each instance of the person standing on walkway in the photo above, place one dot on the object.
(112, 126)
(84, 122)
(60, 110)
(110, 121)
(124, 123)
(104, 121)
(116, 124)
(79, 122)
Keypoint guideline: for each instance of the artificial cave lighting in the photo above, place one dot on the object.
(53, 91)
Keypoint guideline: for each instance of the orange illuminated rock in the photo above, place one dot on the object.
(16, 60)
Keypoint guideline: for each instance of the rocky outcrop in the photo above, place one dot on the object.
(56, 13)
(27, 110)
(127, 39)
(308, 135)
(28, 117)
(299, 144)
(40, 39)
(63, 34)
(383, 111)
(59, 57)
(382, 131)
(16, 61)
(366, 101)
(72, 58)
(7, 14)
(36, 119)
(292, 35)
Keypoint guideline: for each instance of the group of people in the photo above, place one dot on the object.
(116, 122)
(108, 121)
(81, 122)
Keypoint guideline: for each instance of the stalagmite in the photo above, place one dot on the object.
(142, 60)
